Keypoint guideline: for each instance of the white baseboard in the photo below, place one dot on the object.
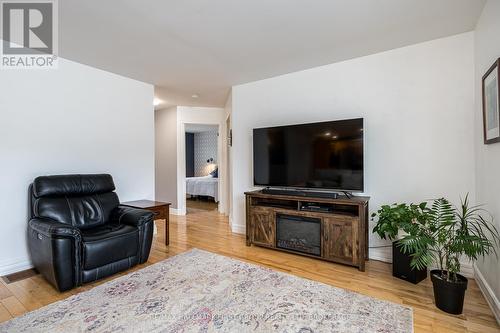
(15, 265)
(238, 229)
(488, 293)
(381, 254)
(385, 254)
(175, 211)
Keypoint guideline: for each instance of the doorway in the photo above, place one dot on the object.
(202, 167)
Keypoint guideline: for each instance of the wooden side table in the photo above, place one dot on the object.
(161, 210)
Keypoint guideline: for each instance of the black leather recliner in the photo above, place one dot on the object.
(79, 233)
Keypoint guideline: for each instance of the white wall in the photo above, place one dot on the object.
(487, 50)
(417, 103)
(196, 115)
(166, 156)
(74, 119)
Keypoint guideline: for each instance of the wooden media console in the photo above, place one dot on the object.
(330, 229)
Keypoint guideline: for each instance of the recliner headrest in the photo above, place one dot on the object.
(72, 185)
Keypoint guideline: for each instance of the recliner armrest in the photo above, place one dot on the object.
(50, 228)
(55, 250)
(132, 216)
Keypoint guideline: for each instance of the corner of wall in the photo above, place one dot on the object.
(487, 158)
(238, 229)
(488, 293)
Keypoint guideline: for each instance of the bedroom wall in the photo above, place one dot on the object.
(205, 147)
(487, 50)
(417, 103)
(166, 155)
(189, 154)
(73, 119)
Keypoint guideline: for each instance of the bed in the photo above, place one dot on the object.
(207, 185)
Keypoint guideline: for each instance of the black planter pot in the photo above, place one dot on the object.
(449, 296)
(401, 266)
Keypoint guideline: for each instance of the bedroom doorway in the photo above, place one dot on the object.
(202, 167)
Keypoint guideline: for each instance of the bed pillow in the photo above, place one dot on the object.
(215, 173)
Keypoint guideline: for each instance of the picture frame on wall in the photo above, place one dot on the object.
(491, 104)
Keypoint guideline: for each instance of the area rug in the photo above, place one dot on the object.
(199, 291)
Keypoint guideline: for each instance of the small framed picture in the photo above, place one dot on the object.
(491, 104)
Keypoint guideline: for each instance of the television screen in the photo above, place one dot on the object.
(326, 155)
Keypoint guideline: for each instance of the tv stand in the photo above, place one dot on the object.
(332, 229)
(300, 193)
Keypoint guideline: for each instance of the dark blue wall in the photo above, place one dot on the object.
(189, 154)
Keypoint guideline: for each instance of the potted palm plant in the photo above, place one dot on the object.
(445, 236)
(391, 222)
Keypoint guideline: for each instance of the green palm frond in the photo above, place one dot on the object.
(442, 213)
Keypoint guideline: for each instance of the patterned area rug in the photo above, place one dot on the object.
(198, 291)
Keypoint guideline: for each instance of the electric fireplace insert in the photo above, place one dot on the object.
(297, 233)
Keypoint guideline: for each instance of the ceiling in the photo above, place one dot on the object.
(202, 47)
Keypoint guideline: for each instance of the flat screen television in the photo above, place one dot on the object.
(326, 155)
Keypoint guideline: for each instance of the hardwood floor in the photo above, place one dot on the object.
(210, 231)
(195, 205)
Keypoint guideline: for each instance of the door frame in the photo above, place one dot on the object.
(181, 163)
